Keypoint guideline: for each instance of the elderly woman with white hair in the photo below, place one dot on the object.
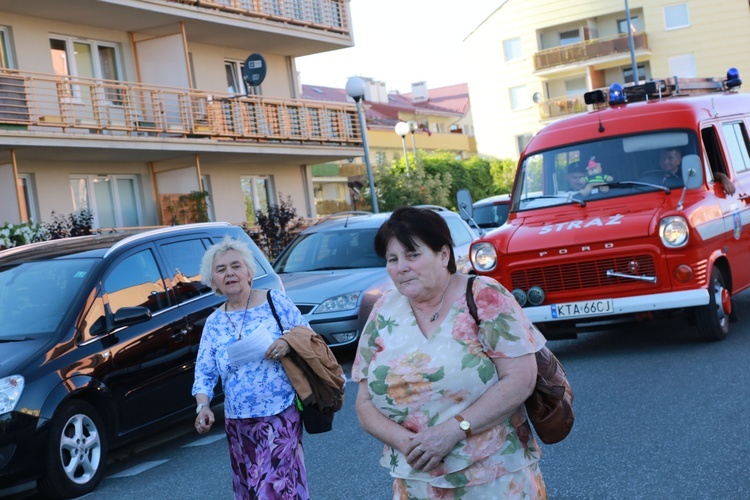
(241, 346)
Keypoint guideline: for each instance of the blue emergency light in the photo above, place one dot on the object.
(616, 94)
(733, 78)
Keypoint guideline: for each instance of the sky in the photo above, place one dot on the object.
(401, 42)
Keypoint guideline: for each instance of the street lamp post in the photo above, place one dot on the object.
(355, 88)
(402, 128)
(413, 126)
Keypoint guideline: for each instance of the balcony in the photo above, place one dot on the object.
(328, 15)
(562, 106)
(587, 51)
(31, 102)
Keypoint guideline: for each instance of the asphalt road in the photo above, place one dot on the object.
(659, 415)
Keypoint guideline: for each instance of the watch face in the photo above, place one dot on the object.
(465, 425)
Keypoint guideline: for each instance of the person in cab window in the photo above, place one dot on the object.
(670, 175)
(576, 175)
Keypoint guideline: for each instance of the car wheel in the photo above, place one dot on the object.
(77, 452)
(712, 320)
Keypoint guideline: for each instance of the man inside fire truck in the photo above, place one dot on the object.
(670, 160)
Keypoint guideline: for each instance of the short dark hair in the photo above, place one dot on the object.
(408, 224)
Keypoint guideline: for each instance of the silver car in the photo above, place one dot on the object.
(332, 273)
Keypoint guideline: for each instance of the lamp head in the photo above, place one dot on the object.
(402, 128)
(413, 126)
(355, 88)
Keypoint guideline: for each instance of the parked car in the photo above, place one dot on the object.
(98, 338)
(331, 272)
(491, 212)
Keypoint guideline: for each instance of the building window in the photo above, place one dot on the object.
(676, 16)
(5, 57)
(258, 191)
(683, 66)
(29, 199)
(570, 37)
(235, 81)
(522, 141)
(627, 73)
(112, 199)
(622, 25)
(512, 49)
(519, 97)
(87, 59)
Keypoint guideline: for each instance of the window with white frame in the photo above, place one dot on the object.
(519, 97)
(26, 185)
(258, 191)
(627, 73)
(676, 16)
(5, 55)
(236, 82)
(512, 49)
(683, 66)
(112, 199)
(87, 59)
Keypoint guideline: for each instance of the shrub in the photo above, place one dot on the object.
(12, 235)
(74, 224)
(277, 227)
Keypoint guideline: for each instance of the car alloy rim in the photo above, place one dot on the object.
(80, 449)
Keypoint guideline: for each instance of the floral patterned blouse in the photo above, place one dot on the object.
(420, 382)
(259, 388)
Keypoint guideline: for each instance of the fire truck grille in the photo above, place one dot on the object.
(587, 274)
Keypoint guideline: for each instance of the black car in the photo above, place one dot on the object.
(98, 339)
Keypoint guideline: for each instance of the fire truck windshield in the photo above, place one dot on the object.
(602, 169)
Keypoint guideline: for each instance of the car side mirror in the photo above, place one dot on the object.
(692, 173)
(465, 205)
(126, 316)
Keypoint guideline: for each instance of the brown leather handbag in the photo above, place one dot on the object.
(550, 406)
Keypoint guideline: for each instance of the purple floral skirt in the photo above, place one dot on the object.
(267, 458)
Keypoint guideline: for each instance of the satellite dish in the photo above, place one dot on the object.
(254, 69)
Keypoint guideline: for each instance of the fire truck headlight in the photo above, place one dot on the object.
(483, 256)
(674, 232)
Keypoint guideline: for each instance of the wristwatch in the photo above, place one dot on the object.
(200, 407)
(464, 425)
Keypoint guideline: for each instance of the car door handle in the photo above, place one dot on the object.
(180, 335)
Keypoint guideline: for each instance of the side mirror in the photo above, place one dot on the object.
(692, 171)
(126, 316)
(465, 205)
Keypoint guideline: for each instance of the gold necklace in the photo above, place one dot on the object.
(244, 315)
(437, 313)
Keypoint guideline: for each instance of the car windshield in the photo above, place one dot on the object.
(34, 296)
(330, 250)
(601, 169)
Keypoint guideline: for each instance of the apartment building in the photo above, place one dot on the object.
(440, 118)
(531, 61)
(123, 106)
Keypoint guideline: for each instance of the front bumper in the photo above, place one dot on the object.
(22, 447)
(629, 305)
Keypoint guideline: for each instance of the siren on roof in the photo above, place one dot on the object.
(733, 78)
(616, 95)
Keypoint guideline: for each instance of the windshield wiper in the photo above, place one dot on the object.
(566, 198)
(5, 341)
(623, 184)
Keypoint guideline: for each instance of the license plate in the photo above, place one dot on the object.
(582, 309)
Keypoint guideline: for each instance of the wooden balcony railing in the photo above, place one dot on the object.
(562, 106)
(85, 105)
(590, 49)
(329, 15)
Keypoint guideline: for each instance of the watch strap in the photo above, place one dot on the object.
(464, 427)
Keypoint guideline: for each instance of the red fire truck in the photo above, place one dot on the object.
(638, 241)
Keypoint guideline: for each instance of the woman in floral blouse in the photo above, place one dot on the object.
(445, 397)
(241, 346)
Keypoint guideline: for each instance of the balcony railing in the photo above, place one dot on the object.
(86, 105)
(590, 49)
(562, 106)
(329, 15)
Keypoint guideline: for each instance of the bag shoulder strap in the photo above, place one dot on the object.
(273, 311)
(470, 298)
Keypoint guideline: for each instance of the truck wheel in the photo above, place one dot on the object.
(712, 320)
(77, 452)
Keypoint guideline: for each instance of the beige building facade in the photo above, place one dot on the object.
(530, 62)
(122, 107)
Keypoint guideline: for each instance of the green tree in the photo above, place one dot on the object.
(503, 174)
